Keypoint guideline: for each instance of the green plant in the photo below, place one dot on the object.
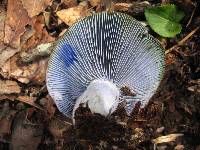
(164, 20)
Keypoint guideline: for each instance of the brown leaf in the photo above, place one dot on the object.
(40, 77)
(122, 6)
(102, 5)
(34, 7)
(29, 100)
(9, 87)
(21, 73)
(179, 147)
(5, 125)
(30, 31)
(167, 138)
(58, 127)
(26, 134)
(40, 34)
(71, 15)
(16, 20)
(47, 18)
(95, 2)
(171, 105)
(70, 3)
(5, 53)
(35, 71)
(134, 7)
(2, 21)
(6, 122)
(50, 107)
(10, 97)
(194, 88)
(5, 108)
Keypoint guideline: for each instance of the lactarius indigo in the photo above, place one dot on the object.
(98, 56)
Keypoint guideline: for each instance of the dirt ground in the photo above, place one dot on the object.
(29, 119)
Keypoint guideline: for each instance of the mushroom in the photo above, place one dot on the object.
(98, 56)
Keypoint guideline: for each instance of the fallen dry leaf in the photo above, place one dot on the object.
(122, 6)
(134, 7)
(34, 7)
(10, 97)
(5, 53)
(4, 111)
(50, 106)
(16, 20)
(29, 32)
(2, 21)
(29, 100)
(47, 17)
(35, 71)
(160, 130)
(167, 138)
(26, 134)
(71, 15)
(103, 5)
(5, 125)
(94, 3)
(194, 88)
(9, 87)
(70, 3)
(6, 122)
(40, 35)
(179, 147)
(21, 73)
(57, 127)
(40, 77)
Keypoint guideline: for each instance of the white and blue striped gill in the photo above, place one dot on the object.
(98, 56)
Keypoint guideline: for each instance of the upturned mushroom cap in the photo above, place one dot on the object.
(111, 46)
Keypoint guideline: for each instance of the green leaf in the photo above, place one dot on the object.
(164, 20)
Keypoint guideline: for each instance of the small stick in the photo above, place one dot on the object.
(191, 17)
(182, 41)
(42, 50)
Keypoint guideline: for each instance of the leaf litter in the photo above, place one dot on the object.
(29, 118)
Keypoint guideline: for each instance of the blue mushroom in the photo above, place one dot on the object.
(98, 56)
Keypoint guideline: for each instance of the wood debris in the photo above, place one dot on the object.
(42, 50)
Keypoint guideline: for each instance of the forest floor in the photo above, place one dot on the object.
(29, 119)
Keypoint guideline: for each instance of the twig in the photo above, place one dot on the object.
(191, 16)
(42, 50)
(182, 41)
